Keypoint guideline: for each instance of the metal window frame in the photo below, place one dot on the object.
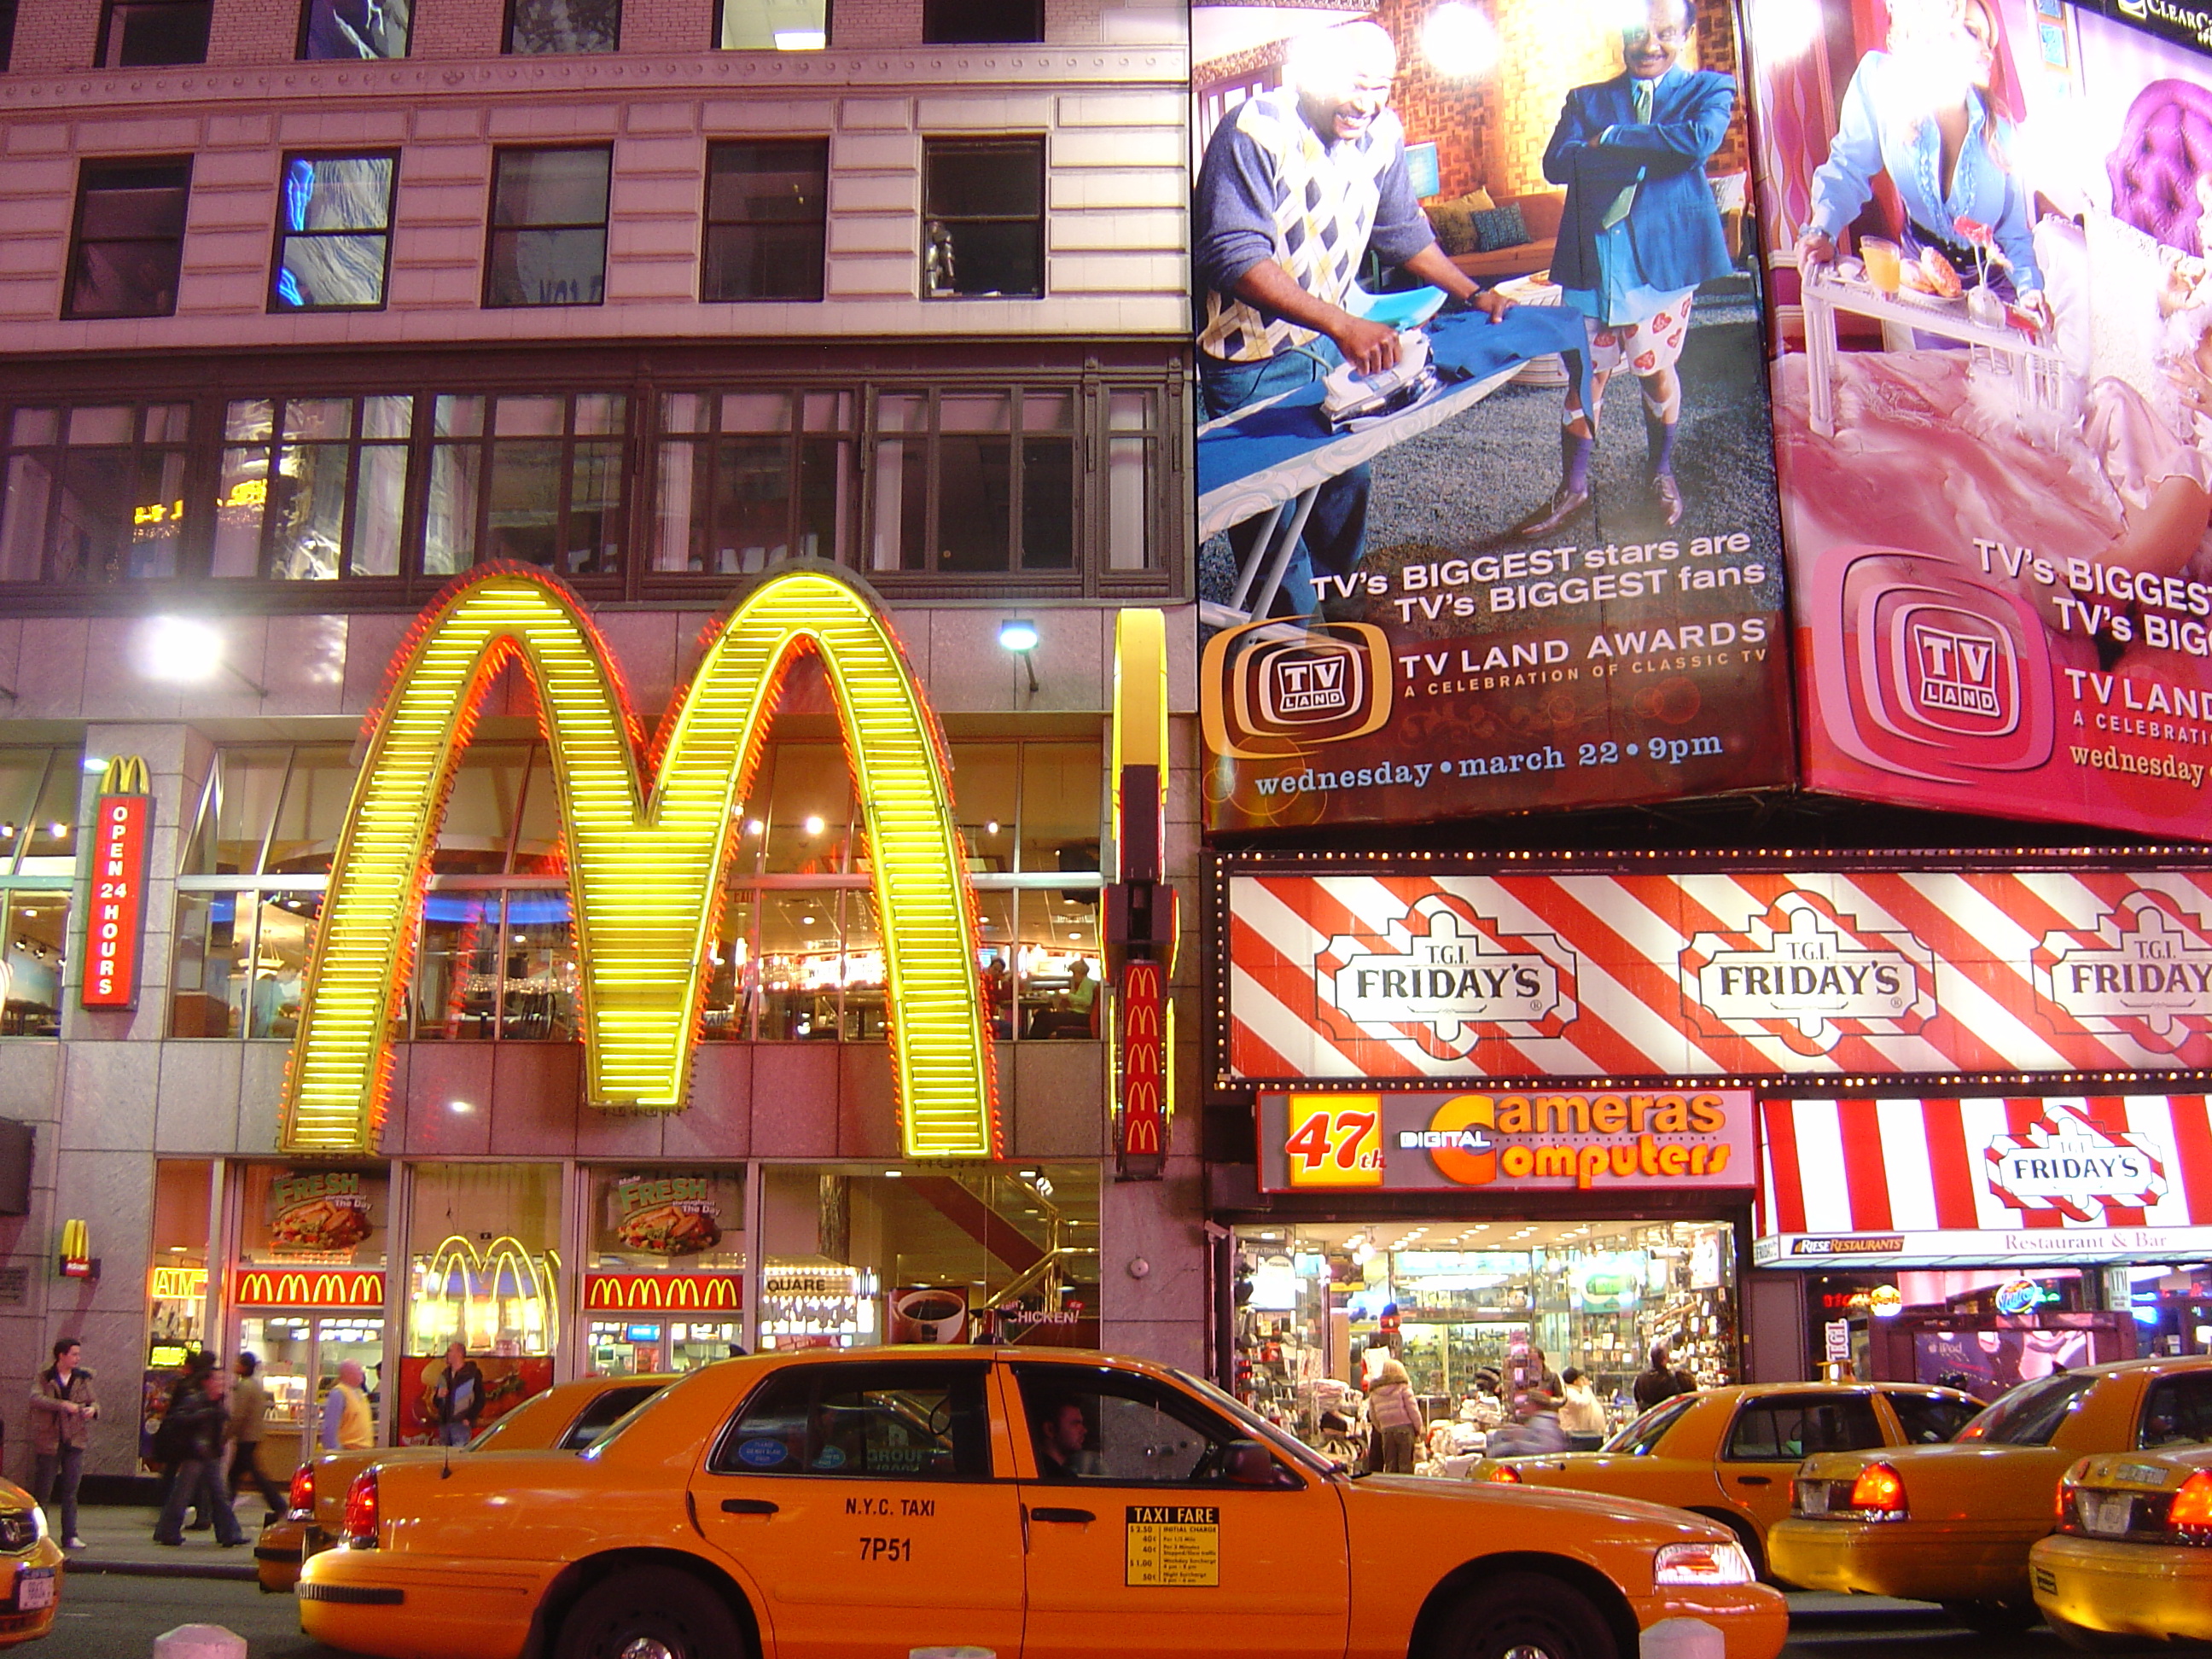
(494, 230)
(90, 168)
(283, 236)
(944, 146)
(708, 224)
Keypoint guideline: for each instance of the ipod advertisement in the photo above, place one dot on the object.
(1993, 402)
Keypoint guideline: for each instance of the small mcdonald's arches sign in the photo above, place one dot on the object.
(306, 1287)
(689, 1293)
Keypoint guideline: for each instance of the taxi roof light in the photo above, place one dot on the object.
(1879, 1492)
(2192, 1507)
(303, 1492)
(361, 1508)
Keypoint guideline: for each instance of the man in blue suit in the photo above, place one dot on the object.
(1639, 233)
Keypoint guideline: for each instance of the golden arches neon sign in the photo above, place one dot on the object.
(646, 848)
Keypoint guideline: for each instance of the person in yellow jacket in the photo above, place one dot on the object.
(348, 1424)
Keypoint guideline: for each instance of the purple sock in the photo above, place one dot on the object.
(1577, 474)
(1659, 441)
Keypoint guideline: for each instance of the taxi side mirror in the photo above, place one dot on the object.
(1248, 1463)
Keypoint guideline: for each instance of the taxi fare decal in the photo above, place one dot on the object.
(1174, 1544)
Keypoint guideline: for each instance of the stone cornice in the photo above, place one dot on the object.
(977, 70)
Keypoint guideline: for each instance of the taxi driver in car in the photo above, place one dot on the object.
(1062, 1432)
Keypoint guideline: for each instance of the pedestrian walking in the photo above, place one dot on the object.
(1660, 1382)
(1582, 1414)
(62, 1407)
(249, 1419)
(190, 1440)
(458, 1397)
(1396, 1415)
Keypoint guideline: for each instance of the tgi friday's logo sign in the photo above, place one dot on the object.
(2145, 971)
(1447, 977)
(2066, 1162)
(1803, 973)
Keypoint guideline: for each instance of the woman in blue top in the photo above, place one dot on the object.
(1921, 113)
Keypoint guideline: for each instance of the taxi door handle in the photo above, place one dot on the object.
(1072, 1517)
(1754, 1479)
(748, 1506)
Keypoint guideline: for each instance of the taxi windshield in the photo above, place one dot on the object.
(2031, 1413)
(1639, 1438)
(1289, 1444)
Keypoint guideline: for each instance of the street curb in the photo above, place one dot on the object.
(162, 1570)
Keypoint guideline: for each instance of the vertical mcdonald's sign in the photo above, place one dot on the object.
(1145, 1031)
(115, 914)
(648, 830)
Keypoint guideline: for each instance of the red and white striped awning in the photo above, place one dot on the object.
(1934, 1183)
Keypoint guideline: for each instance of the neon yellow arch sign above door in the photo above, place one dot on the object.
(648, 838)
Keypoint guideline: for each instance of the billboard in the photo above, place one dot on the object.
(1443, 572)
(1990, 401)
(1373, 972)
(1421, 1141)
(1847, 1183)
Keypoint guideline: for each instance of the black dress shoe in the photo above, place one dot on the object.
(1667, 495)
(1565, 504)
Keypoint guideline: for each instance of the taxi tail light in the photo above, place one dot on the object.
(2189, 1519)
(303, 1492)
(2064, 1514)
(360, 1511)
(1504, 1476)
(1879, 1494)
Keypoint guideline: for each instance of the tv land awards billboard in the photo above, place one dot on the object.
(1489, 608)
(1975, 268)
(1995, 499)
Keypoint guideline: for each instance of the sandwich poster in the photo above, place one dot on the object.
(1993, 401)
(1484, 470)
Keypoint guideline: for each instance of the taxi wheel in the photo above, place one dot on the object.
(1994, 1617)
(650, 1613)
(1526, 1615)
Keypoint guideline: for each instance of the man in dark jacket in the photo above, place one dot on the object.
(62, 1407)
(1660, 1382)
(458, 1396)
(1640, 231)
(190, 1440)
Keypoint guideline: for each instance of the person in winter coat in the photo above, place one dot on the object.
(1395, 1415)
(62, 1410)
(190, 1440)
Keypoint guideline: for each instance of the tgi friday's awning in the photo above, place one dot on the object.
(1930, 1183)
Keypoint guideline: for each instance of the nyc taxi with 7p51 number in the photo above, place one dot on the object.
(832, 1506)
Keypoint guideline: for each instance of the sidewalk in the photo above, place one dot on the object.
(121, 1540)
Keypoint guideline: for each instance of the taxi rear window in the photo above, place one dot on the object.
(2031, 1414)
(1638, 1438)
(1786, 1428)
(2178, 1411)
(882, 1419)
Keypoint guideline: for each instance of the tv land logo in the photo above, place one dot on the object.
(1270, 689)
(1922, 671)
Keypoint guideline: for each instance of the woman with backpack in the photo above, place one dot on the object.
(190, 1442)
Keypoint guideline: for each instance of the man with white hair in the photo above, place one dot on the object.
(1297, 187)
(348, 1424)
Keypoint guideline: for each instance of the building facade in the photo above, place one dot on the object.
(307, 315)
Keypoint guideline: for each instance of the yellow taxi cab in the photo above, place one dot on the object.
(33, 1564)
(832, 1504)
(568, 1417)
(1955, 1523)
(1729, 1453)
(2132, 1556)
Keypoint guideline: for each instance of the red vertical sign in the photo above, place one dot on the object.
(115, 922)
(1142, 1008)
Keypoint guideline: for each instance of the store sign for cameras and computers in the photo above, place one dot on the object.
(1370, 972)
(1538, 1140)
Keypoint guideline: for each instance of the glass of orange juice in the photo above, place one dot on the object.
(1883, 261)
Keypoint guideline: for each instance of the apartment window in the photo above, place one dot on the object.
(95, 494)
(333, 233)
(533, 478)
(747, 477)
(766, 205)
(548, 228)
(7, 34)
(312, 487)
(983, 213)
(39, 799)
(535, 26)
(981, 23)
(142, 34)
(353, 28)
(130, 238)
(974, 480)
(774, 25)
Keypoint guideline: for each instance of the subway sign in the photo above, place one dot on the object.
(646, 827)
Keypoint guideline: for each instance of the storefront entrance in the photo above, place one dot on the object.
(623, 1347)
(1478, 1312)
(301, 1352)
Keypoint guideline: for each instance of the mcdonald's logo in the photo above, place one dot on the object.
(664, 1292)
(647, 842)
(306, 1287)
(124, 774)
(1144, 1029)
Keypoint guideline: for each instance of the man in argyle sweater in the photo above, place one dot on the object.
(1297, 186)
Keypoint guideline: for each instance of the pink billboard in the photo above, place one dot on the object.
(1986, 226)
